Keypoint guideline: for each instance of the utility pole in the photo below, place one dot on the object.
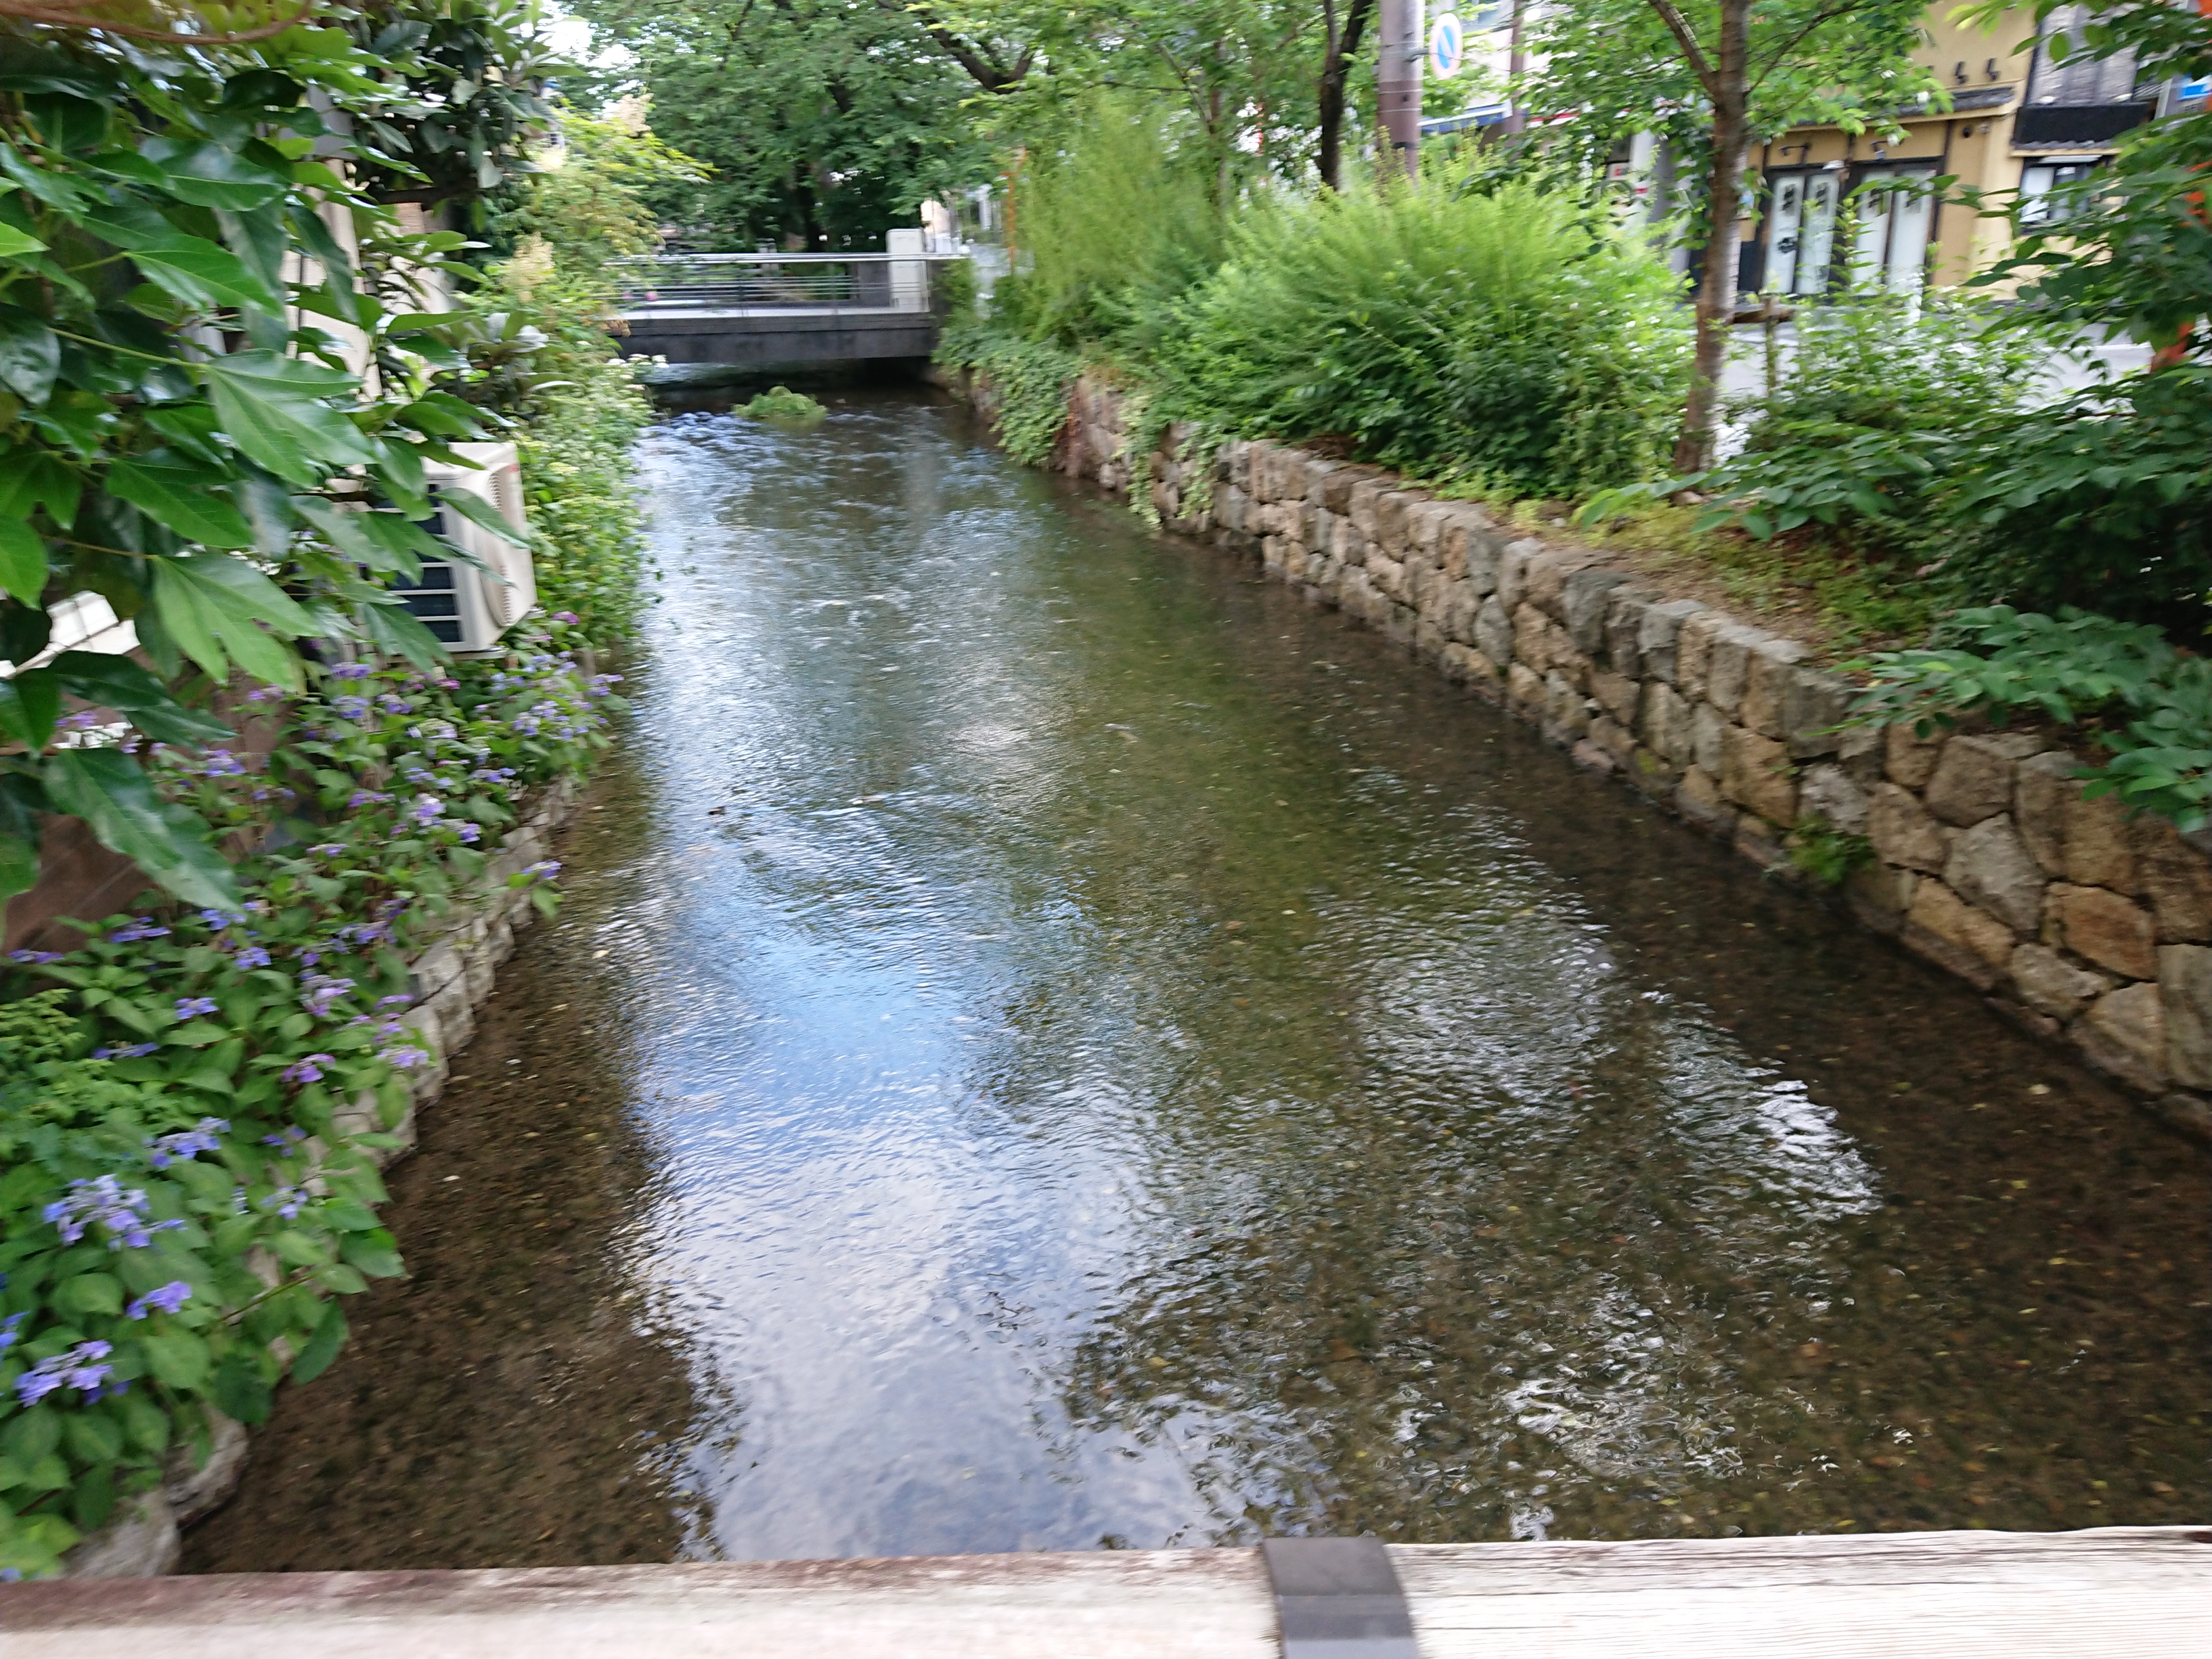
(1398, 56)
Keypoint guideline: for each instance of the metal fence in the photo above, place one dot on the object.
(778, 283)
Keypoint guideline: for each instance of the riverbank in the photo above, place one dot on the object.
(1974, 850)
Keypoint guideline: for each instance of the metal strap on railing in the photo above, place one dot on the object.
(1339, 1598)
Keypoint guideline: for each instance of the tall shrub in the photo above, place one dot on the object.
(1511, 336)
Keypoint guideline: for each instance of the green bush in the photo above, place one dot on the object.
(2146, 704)
(1510, 337)
(782, 404)
(2103, 500)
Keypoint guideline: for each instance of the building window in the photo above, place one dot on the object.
(2041, 178)
(1889, 242)
(1801, 231)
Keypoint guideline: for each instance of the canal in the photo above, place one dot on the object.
(1052, 1043)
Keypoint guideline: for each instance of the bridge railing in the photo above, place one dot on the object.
(768, 284)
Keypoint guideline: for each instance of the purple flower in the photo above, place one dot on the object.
(406, 1057)
(83, 720)
(308, 1069)
(125, 1051)
(216, 920)
(131, 933)
(287, 1201)
(544, 870)
(264, 694)
(7, 1332)
(368, 798)
(324, 992)
(351, 671)
(119, 1211)
(289, 1137)
(426, 808)
(201, 1137)
(193, 1007)
(78, 1369)
(34, 957)
(568, 617)
(253, 956)
(351, 708)
(392, 705)
(329, 849)
(222, 763)
(401, 1000)
(469, 833)
(170, 1298)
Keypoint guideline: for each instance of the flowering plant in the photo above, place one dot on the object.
(187, 1115)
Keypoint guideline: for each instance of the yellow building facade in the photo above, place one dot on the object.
(2016, 122)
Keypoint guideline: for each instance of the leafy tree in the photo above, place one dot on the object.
(1717, 75)
(472, 73)
(825, 122)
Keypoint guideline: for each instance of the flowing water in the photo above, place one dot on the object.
(1052, 1044)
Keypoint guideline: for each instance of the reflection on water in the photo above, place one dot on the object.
(1123, 1059)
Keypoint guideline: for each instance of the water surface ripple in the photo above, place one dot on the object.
(1052, 1043)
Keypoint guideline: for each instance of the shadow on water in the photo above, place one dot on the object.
(1085, 1050)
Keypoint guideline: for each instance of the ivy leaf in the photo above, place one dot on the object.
(393, 628)
(202, 273)
(323, 1346)
(179, 496)
(271, 407)
(38, 478)
(108, 790)
(207, 175)
(211, 604)
(14, 241)
(19, 865)
(30, 355)
(119, 683)
(30, 703)
(22, 561)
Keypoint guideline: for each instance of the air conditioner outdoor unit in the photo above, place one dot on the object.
(462, 606)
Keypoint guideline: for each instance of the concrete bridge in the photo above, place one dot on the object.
(766, 312)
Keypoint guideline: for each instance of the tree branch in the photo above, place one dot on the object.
(1679, 27)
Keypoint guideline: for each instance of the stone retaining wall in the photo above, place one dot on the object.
(451, 976)
(2088, 929)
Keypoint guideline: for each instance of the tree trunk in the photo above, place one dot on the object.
(1717, 286)
(1335, 68)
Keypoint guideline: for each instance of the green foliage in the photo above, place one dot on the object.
(780, 404)
(469, 77)
(593, 204)
(2146, 704)
(579, 481)
(2104, 498)
(176, 396)
(1119, 222)
(1508, 336)
(186, 1115)
(1861, 432)
(824, 122)
(1827, 855)
(1029, 379)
